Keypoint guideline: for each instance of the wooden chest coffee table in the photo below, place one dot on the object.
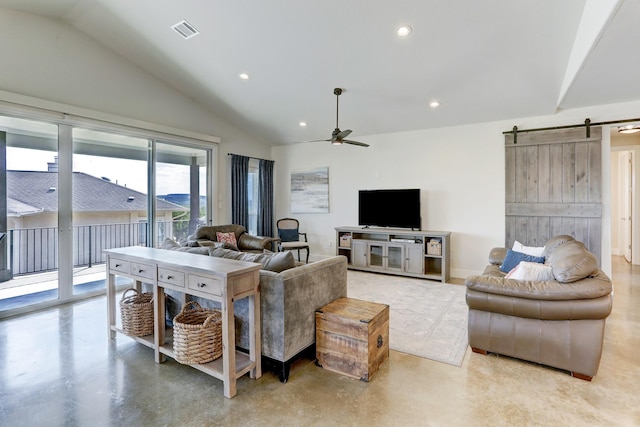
(352, 337)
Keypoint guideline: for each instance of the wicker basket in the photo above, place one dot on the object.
(136, 312)
(197, 334)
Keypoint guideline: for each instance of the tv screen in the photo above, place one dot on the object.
(389, 208)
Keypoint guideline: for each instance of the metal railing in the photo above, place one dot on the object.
(35, 250)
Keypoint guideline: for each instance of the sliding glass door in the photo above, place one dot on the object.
(70, 192)
(110, 203)
(29, 214)
(181, 191)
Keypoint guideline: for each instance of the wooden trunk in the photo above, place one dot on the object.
(352, 337)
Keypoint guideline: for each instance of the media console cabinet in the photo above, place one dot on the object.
(216, 279)
(423, 254)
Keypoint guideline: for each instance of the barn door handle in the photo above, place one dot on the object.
(380, 341)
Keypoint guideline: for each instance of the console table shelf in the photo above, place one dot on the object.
(215, 279)
(423, 254)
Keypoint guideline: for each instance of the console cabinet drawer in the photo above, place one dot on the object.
(205, 284)
(171, 277)
(119, 265)
(144, 271)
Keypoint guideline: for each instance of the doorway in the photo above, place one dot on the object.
(624, 210)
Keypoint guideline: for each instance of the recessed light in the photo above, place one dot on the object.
(302, 124)
(404, 31)
(434, 104)
(244, 76)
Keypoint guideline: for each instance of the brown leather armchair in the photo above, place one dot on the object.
(558, 323)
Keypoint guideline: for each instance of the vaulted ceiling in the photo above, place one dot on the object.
(482, 61)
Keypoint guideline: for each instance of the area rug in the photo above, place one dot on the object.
(426, 318)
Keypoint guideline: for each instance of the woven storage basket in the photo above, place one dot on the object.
(197, 334)
(136, 312)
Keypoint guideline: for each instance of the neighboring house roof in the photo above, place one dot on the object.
(30, 192)
(17, 208)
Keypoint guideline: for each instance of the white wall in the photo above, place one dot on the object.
(460, 170)
(50, 65)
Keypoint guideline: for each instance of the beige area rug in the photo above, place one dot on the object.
(426, 318)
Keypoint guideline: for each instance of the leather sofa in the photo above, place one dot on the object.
(558, 322)
(290, 294)
(206, 236)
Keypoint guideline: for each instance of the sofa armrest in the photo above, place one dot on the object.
(594, 286)
(497, 255)
(255, 243)
(289, 300)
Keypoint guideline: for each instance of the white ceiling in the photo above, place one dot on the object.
(482, 60)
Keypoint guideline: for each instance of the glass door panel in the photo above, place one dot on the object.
(395, 256)
(376, 255)
(110, 203)
(181, 191)
(29, 213)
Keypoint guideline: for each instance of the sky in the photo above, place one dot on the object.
(129, 173)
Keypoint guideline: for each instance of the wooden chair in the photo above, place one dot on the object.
(289, 234)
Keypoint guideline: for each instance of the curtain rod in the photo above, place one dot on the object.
(586, 123)
(257, 158)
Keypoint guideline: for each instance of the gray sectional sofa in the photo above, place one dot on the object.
(290, 294)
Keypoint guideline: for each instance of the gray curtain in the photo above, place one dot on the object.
(239, 192)
(265, 198)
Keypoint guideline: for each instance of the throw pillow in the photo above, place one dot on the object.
(276, 262)
(531, 271)
(289, 235)
(572, 262)
(229, 237)
(513, 258)
(169, 244)
(529, 250)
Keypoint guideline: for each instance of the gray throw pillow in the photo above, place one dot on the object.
(275, 262)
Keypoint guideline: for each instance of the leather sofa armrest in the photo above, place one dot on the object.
(496, 256)
(551, 290)
(255, 243)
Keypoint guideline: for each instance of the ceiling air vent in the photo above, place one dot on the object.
(185, 29)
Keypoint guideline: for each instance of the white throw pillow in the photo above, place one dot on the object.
(529, 250)
(531, 271)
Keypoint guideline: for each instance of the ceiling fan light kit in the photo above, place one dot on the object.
(338, 136)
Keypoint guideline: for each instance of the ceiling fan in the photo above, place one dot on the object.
(338, 136)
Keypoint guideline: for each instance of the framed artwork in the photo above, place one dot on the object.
(310, 191)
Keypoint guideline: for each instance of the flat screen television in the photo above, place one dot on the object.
(389, 208)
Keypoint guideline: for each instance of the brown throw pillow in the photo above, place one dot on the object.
(572, 261)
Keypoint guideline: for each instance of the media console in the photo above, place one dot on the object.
(423, 254)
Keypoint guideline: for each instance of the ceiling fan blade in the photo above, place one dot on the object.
(343, 134)
(361, 144)
(319, 140)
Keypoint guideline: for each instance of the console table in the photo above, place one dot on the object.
(215, 279)
(423, 254)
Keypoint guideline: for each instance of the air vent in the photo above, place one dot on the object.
(185, 29)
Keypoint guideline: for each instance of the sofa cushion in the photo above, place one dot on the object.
(211, 243)
(513, 258)
(276, 262)
(572, 261)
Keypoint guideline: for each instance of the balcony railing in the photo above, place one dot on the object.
(35, 250)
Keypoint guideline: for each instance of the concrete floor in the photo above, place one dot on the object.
(57, 368)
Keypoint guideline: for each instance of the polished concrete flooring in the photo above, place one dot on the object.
(57, 368)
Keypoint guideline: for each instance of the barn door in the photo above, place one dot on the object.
(554, 186)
